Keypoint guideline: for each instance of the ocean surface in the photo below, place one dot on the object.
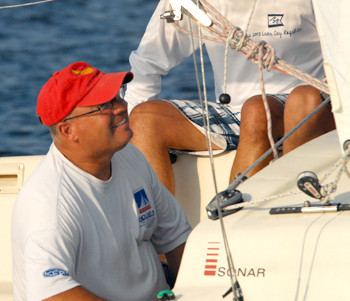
(37, 40)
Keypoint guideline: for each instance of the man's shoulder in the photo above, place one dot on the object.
(38, 201)
(40, 191)
(45, 174)
(130, 162)
(130, 152)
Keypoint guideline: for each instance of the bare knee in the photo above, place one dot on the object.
(301, 102)
(143, 122)
(253, 113)
(304, 99)
(254, 120)
(146, 117)
(140, 112)
(160, 123)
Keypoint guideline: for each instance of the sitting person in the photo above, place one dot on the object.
(159, 125)
(90, 221)
(254, 141)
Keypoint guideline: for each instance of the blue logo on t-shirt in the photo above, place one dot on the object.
(55, 272)
(142, 201)
(146, 213)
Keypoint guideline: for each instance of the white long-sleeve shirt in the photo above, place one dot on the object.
(289, 26)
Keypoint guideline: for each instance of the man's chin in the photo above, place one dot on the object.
(124, 139)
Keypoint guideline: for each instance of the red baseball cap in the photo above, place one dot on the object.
(77, 85)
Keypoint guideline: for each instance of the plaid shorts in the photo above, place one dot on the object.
(223, 122)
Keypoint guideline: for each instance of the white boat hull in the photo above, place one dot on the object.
(277, 257)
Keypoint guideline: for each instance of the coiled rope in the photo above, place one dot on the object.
(262, 54)
(221, 29)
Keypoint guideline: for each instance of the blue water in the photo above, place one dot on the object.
(36, 41)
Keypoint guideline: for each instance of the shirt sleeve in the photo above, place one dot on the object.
(161, 48)
(173, 228)
(49, 264)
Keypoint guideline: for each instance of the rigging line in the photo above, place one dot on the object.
(266, 105)
(196, 71)
(241, 41)
(262, 85)
(278, 65)
(330, 188)
(209, 144)
(239, 46)
(225, 73)
(266, 59)
(236, 182)
(341, 162)
(229, 37)
(233, 278)
(25, 4)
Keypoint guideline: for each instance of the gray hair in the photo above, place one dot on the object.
(53, 130)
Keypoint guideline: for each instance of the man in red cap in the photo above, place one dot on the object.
(93, 216)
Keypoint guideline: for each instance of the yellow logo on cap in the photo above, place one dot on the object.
(84, 71)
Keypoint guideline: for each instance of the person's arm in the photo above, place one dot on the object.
(174, 259)
(161, 48)
(76, 294)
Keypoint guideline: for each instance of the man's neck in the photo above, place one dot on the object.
(99, 167)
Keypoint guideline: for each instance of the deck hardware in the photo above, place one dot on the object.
(311, 209)
(346, 145)
(176, 14)
(308, 183)
(226, 198)
(171, 16)
(238, 292)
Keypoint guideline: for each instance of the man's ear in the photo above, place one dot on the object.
(67, 130)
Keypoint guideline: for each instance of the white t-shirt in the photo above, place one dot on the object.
(70, 228)
(289, 26)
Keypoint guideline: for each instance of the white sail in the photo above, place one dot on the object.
(333, 23)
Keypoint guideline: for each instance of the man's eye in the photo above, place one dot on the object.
(106, 105)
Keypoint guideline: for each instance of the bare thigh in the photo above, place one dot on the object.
(161, 122)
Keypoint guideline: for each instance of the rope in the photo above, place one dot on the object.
(240, 43)
(204, 105)
(233, 275)
(236, 182)
(229, 37)
(262, 86)
(330, 188)
(264, 56)
(26, 4)
(261, 54)
(326, 190)
(221, 29)
(268, 61)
